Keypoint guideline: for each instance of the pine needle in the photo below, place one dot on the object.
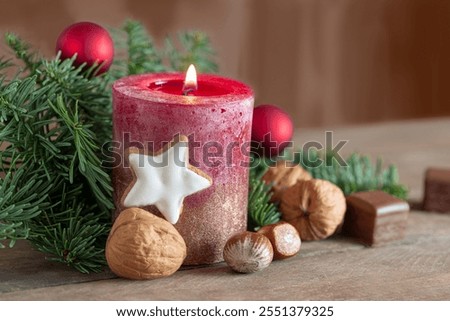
(137, 53)
(360, 174)
(261, 211)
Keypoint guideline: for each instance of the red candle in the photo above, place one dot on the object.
(216, 115)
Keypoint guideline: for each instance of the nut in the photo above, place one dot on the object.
(282, 176)
(248, 252)
(284, 239)
(316, 208)
(144, 246)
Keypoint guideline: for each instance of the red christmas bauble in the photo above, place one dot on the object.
(271, 131)
(91, 42)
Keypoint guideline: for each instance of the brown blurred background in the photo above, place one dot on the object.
(327, 62)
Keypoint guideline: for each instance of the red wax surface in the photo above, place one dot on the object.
(175, 87)
(151, 109)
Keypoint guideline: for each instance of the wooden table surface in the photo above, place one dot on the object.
(416, 268)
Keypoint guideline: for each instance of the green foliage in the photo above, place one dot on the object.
(22, 51)
(138, 54)
(22, 198)
(261, 211)
(193, 48)
(50, 152)
(135, 51)
(85, 159)
(360, 174)
(72, 231)
(54, 120)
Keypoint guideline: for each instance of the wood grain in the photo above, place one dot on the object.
(23, 267)
(415, 268)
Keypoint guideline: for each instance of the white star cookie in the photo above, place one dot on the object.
(164, 178)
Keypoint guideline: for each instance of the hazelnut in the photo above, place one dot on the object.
(144, 246)
(284, 239)
(315, 207)
(248, 252)
(282, 176)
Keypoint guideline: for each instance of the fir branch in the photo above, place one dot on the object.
(143, 56)
(5, 63)
(22, 51)
(259, 165)
(71, 232)
(136, 52)
(261, 211)
(26, 126)
(89, 165)
(193, 48)
(78, 242)
(23, 196)
(360, 174)
(92, 94)
(14, 97)
(45, 127)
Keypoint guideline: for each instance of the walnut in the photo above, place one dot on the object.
(144, 246)
(282, 176)
(315, 207)
(284, 238)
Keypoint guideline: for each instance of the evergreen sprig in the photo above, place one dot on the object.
(48, 154)
(22, 51)
(54, 120)
(85, 159)
(138, 53)
(193, 47)
(261, 211)
(22, 198)
(359, 173)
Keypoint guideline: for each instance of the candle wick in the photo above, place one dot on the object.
(188, 90)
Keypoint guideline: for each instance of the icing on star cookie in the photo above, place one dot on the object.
(164, 178)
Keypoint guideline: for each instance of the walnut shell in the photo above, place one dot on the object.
(248, 252)
(144, 246)
(284, 238)
(282, 176)
(315, 207)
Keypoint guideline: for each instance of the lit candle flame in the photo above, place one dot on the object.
(190, 82)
